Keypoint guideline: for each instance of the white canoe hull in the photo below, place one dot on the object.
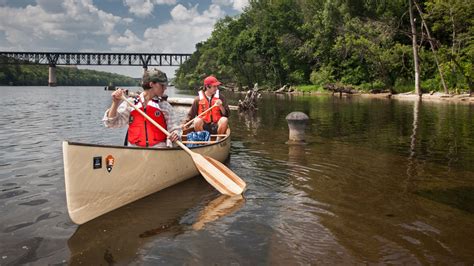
(92, 190)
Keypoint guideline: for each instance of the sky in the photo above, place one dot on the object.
(135, 26)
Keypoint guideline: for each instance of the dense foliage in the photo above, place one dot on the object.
(26, 75)
(364, 43)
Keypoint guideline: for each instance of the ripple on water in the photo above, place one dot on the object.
(48, 175)
(9, 184)
(45, 185)
(10, 188)
(15, 227)
(34, 202)
(23, 252)
(47, 216)
(44, 216)
(11, 194)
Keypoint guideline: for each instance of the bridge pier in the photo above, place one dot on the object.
(52, 76)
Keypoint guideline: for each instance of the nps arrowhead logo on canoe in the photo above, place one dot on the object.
(109, 162)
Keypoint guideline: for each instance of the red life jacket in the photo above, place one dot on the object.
(142, 132)
(215, 114)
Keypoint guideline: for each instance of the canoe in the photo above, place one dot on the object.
(101, 178)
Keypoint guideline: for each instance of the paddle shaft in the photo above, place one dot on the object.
(156, 124)
(199, 115)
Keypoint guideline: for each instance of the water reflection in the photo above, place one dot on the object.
(297, 154)
(117, 237)
(412, 163)
(250, 120)
(217, 208)
(461, 198)
(378, 182)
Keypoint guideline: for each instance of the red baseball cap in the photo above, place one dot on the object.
(211, 81)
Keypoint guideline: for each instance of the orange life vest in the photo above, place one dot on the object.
(142, 132)
(215, 114)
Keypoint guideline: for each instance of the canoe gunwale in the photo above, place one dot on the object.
(144, 148)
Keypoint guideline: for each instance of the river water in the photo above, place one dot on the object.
(378, 181)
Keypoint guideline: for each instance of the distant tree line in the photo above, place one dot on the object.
(363, 43)
(37, 75)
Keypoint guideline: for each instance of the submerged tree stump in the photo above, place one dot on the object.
(250, 103)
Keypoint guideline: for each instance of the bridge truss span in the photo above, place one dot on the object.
(112, 59)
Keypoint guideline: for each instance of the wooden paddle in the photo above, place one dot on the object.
(192, 120)
(215, 172)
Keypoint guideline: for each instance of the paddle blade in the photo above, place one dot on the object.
(218, 175)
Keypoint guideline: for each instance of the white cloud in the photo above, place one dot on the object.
(180, 35)
(51, 6)
(128, 38)
(186, 28)
(238, 5)
(36, 27)
(180, 13)
(165, 2)
(144, 8)
(140, 8)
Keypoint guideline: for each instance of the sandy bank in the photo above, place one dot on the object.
(435, 97)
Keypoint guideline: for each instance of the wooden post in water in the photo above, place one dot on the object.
(297, 124)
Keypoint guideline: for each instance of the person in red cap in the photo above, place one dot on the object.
(215, 121)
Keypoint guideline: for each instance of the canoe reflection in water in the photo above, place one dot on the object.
(119, 236)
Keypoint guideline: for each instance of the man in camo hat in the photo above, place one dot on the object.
(154, 75)
(141, 132)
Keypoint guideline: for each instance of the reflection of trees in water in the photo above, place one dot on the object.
(461, 198)
(458, 197)
(412, 162)
(250, 120)
(117, 237)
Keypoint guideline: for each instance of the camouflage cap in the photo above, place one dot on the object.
(155, 75)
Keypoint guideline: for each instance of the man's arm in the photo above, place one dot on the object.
(121, 118)
(193, 111)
